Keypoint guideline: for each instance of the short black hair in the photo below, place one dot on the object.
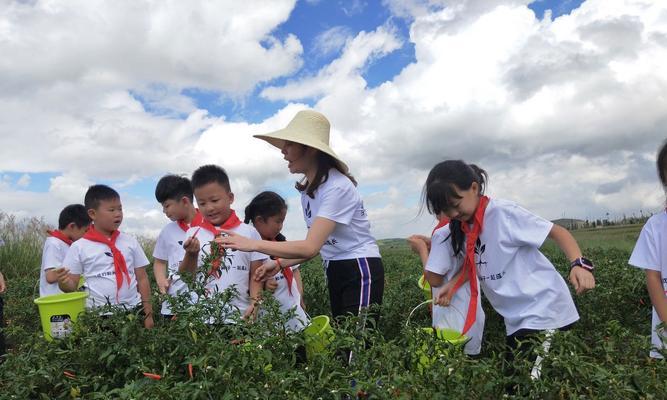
(209, 174)
(173, 187)
(73, 213)
(98, 193)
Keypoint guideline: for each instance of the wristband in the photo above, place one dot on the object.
(584, 263)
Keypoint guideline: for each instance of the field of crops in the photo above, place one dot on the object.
(604, 356)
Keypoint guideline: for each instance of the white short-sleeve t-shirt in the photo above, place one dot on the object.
(169, 248)
(650, 252)
(442, 261)
(94, 261)
(338, 200)
(517, 279)
(53, 254)
(293, 301)
(235, 270)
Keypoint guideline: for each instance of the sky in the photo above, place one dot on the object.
(563, 103)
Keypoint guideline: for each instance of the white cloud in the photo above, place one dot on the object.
(23, 181)
(357, 54)
(565, 114)
(331, 40)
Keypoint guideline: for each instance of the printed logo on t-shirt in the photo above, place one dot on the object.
(108, 253)
(479, 251)
(180, 243)
(331, 242)
(308, 213)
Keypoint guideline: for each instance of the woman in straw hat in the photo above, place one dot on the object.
(338, 226)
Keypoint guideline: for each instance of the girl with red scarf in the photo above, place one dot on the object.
(495, 244)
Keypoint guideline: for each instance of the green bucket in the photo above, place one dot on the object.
(318, 335)
(424, 286)
(449, 340)
(57, 313)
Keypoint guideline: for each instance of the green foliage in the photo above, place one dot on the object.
(605, 355)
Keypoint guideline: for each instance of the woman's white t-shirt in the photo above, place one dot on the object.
(235, 268)
(650, 253)
(518, 280)
(440, 261)
(169, 248)
(94, 261)
(53, 254)
(338, 200)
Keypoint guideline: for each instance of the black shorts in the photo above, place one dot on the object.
(354, 284)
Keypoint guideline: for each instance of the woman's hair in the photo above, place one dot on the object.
(264, 205)
(440, 191)
(324, 163)
(661, 163)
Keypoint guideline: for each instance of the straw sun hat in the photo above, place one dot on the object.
(309, 128)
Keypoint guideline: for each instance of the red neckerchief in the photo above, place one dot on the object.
(60, 235)
(441, 223)
(287, 273)
(184, 225)
(119, 265)
(232, 222)
(471, 235)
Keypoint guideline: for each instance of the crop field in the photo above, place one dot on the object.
(604, 356)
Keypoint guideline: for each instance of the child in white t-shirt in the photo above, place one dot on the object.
(267, 213)
(73, 223)
(112, 263)
(495, 243)
(174, 193)
(650, 254)
(214, 197)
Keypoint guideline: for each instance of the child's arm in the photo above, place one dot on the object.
(67, 282)
(271, 267)
(3, 285)
(51, 275)
(580, 278)
(657, 293)
(189, 263)
(161, 277)
(144, 289)
(446, 292)
(421, 245)
(307, 248)
(255, 290)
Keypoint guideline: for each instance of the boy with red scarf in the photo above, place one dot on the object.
(174, 193)
(233, 268)
(73, 222)
(113, 263)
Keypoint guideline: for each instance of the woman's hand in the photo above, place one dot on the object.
(234, 241)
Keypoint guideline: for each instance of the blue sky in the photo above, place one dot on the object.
(123, 101)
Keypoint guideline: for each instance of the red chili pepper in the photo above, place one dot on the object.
(152, 376)
(69, 374)
(641, 301)
(190, 370)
